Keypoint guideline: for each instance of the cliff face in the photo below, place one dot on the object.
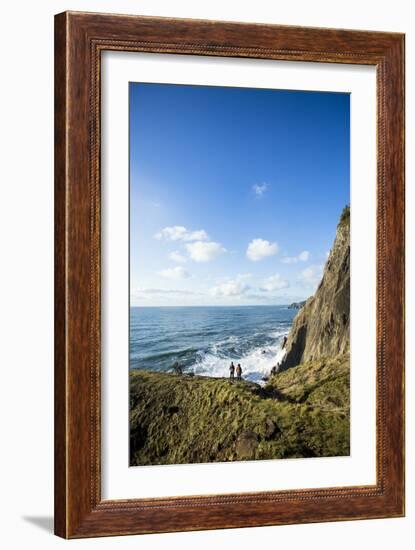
(321, 327)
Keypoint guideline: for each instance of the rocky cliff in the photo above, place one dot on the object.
(321, 327)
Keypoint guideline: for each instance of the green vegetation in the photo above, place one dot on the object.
(301, 412)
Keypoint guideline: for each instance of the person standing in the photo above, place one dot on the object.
(239, 372)
(232, 371)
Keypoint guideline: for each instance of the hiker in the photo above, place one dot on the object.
(232, 371)
(239, 372)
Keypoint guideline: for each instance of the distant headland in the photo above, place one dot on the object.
(297, 305)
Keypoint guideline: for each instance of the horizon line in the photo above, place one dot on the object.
(217, 305)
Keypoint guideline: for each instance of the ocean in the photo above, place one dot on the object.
(204, 340)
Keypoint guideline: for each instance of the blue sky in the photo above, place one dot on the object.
(235, 193)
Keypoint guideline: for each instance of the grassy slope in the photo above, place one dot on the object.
(301, 412)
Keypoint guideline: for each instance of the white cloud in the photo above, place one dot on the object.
(269, 298)
(275, 282)
(180, 233)
(259, 190)
(175, 273)
(303, 256)
(244, 276)
(176, 256)
(311, 276)
(162, 291)
(204, 251)
(258, 249)
(232, 288)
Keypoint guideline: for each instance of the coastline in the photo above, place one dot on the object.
(303, 409)
(204, 341)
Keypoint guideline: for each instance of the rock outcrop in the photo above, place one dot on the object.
(321, 327)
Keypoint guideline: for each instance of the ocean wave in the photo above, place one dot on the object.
(256, 362)
(278, 333)
(175, 354)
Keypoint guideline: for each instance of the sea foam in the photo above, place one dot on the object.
(256, 362)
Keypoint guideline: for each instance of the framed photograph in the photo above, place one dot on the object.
(229, 275)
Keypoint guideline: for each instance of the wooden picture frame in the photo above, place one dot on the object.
(79, 40)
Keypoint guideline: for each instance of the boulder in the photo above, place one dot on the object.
(246, 445)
